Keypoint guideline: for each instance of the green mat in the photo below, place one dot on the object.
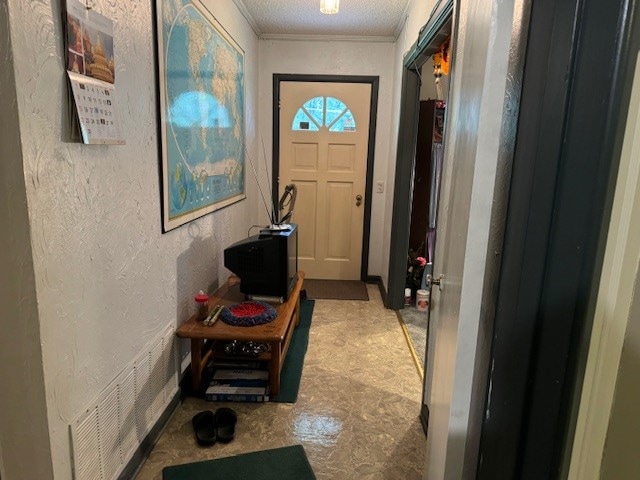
(294, 361)
(286, 463)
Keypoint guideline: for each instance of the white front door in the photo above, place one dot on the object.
(324, 135)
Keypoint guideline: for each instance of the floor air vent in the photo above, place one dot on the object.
(106, 435)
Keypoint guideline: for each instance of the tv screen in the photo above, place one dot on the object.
(267, 264)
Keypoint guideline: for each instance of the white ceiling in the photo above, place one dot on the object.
(356, 18)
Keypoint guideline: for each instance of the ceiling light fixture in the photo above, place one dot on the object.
(329, 7)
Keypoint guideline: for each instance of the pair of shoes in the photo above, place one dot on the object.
(209, 426)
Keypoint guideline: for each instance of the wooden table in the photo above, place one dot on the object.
(277, 333)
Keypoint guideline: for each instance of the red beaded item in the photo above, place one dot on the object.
(248, 314)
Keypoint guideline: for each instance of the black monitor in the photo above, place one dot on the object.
(267, 264)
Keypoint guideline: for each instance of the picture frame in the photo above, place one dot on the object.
(200, 75)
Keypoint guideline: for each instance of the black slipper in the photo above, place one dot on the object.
(225, 424)
(204, 426)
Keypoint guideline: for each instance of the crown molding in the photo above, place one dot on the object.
(248, 17)
(326, 38)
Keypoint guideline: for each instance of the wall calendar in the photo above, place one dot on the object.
(91, 71)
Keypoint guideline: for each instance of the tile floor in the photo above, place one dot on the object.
(416, 323)
(357, 413)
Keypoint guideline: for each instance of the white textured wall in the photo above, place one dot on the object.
(339, 58)
(107, 280)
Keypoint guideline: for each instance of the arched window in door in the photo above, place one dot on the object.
(324, 112)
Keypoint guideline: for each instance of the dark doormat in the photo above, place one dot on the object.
(336, 289)
(286, 463)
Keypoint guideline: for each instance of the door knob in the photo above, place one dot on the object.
(434, 281)
(358, 200)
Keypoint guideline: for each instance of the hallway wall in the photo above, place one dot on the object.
(107, 280)
(607, 419)
(20, 354)
(618, 457)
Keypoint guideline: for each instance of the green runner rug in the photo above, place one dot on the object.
(294, 361)
(286, 463)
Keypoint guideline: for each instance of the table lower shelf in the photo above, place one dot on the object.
(204, 349)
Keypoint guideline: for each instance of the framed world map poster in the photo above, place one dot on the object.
(201, 79)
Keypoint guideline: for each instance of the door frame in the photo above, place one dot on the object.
(431, 37)
(275, 154)
(565, 166)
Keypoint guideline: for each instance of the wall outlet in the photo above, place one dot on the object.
(380, 187)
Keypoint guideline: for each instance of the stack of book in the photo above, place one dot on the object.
(239, 385)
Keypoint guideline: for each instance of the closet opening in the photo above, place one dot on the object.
(426, 78)
(427, 75)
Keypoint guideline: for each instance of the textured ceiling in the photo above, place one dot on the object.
(362, 18)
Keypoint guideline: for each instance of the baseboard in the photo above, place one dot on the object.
(424, 418)
(143, 451)
(377, 279)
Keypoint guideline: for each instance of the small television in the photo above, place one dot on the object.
(267, 263)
